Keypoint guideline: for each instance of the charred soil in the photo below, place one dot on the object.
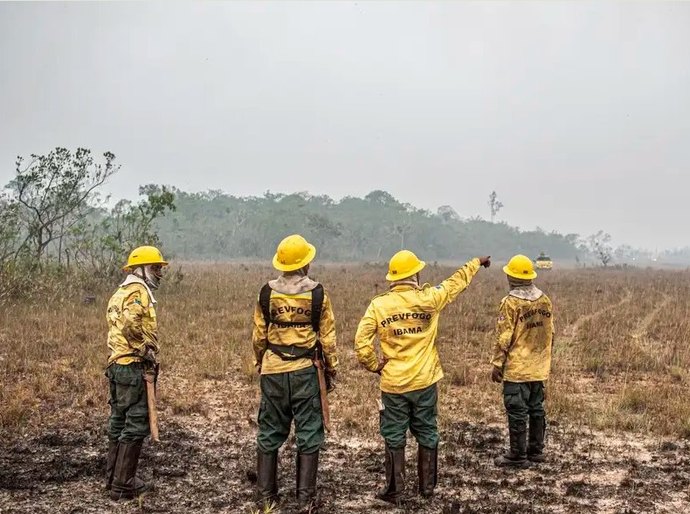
(207, 465)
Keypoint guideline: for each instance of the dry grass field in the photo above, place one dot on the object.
(618, 400)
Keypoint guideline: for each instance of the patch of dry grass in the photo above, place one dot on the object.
(620, 362)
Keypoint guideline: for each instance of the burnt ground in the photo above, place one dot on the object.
(205, 467)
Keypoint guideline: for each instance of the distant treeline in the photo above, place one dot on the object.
(217, 226)
(57, 228)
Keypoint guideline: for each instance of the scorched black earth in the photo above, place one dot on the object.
(205, 471)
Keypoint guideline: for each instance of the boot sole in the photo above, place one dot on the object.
(136, 492)
(516, 465)
(129, 495)
(122, 496)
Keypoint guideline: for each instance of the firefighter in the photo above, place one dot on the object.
(405, 320)
(293, 322)
(522, 361)
(133, 344)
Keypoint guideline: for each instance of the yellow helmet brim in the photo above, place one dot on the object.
(402, 276)
(298, 265)
(128, 267)
(511, 273)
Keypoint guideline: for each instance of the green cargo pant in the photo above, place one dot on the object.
(129, 413)
(285, 396)
(523, 400)
(415, 410)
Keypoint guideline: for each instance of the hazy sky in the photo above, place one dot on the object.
(576, 113)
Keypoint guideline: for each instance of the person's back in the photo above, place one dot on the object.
(405, 320)
(288, 302)
(522, 361)
(407, 324)
(531, 315)
(293, 337)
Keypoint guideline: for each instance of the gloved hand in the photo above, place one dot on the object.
(151, 363)
(382, 363)
(331, 376)
(485, 261)
(150, 356)
(497, 375)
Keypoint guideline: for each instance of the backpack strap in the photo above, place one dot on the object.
(317, 295)
(265, 303)
(292, 352)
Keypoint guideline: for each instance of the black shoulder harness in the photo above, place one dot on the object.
(292, 352)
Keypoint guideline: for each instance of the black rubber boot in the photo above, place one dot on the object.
(427, 466)
(307, 467)
(110, 460)
(517, 456)
(125, 484)
(537, 430)
(395, 476)
(266, 473)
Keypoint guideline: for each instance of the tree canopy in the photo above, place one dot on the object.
(218, 226)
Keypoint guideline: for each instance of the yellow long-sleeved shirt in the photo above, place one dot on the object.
(524, 337)
(132, 324)
(293, 307)
(405, 320)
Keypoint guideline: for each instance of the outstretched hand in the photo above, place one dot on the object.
(485, 261)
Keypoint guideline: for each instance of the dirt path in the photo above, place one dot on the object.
(570, 332)
(642, 327)
(205, 464)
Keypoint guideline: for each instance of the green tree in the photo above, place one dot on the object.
(103, 245)
(54, 192)
(9, 228)
(369, 228)
(599, 245)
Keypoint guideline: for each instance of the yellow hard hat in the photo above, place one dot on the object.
(293, 253)
(144, 255)
(520, 266)
(404, 264)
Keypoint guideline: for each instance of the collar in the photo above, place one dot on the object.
(133, 279)
(292, 284)
(530, 293)
(404, 285)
